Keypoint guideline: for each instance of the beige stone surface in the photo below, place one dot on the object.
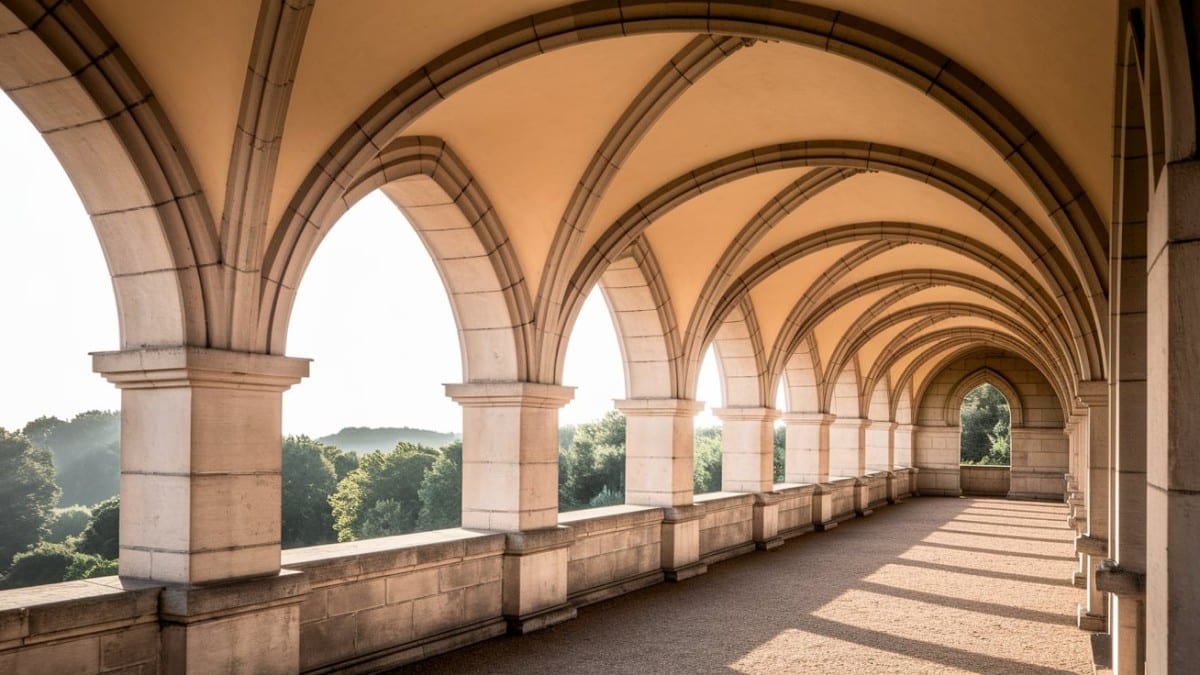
(902, 591)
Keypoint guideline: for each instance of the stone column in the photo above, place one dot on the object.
(807, 447)
(902, 446)
(847, 451)
(1173, 422)
(659, 448)
(880, 438)
(747, 459)
(510, 483)
(1094, 396)
(200, 502)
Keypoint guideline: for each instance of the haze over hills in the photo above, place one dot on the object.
(366, 439)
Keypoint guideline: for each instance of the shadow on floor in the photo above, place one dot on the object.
(905, 590)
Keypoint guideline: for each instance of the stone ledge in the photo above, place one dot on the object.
(683, 514)
(56, 611)
(721, 501)
(1089, 545)
(358, 560)
(417, 650)
(188, 604)
(535, 541)
(1111, 578)
(545, 618)
(590, 521)
(685, 572)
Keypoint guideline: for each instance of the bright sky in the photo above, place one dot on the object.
(370, 312)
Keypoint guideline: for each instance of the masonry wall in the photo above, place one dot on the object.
(1039, 448)
(381, 603)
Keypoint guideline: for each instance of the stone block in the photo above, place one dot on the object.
(384, 627)
(328, 641)
(483, 601)
(135, 645)
(438, 613)
(413, 585)
(356, 596)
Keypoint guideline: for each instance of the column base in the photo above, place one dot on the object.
(769, 544)
(1079, 580)
(766, 521)
(250, 625)
(681, 542)
(535, 579)
(1090, 622)
(685, 572)
(862, 498)
(822, 510)
(544, 618)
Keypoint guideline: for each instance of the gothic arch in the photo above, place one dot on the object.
(469, 246)
(975, 379)
(95, 111)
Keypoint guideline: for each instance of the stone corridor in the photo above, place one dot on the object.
(928, 586)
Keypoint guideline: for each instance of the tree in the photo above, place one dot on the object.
(380, 476)
(86, 453)
(309, 479)
(441, 490)
(92, 477)
(27, 494)
(343, 461)
(780, 451)
(50, 563)
(68, 523)
(103, 533)
(593, 463)
(706, 464)
(984, 420)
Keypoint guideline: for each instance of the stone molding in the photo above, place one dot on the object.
(528, 542)
(1112, 578)
(807, 418)
(747, 414)
(1092, 546)
(190, 604)
(173, 367)
(658, 407)
(510, 394)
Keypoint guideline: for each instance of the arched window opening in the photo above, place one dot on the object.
(591, 434)
(986, 427)
(372, 446)
(779, 438)
(59, 422)
(706, 461)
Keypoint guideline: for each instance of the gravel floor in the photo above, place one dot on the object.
(928, 586)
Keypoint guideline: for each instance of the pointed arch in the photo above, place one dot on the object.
(465, 237)
(645, 323)
(93, 108)
(802, 376)
(978, 378)
(739, 350)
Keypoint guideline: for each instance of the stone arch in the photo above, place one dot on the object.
(879, 405)
(949, 83)
(844, 394)
(980, 377)
(740, 359)
(645, 323)
(469, 246)
(802, 377)
(1082, 299)
(1169, 77)
(83, 94)
(896, 233)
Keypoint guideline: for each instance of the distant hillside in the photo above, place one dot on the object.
(365, 439)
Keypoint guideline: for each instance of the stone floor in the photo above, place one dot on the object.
(929, 586)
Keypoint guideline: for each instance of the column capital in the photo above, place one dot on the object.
(1092, 393)
(860, 422)
(808, 418)
(510, 394)
(173, 367)
(658, 407)
(746, 414)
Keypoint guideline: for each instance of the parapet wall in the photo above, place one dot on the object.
(371, 605)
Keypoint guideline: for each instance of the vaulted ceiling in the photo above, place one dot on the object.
(885, 183)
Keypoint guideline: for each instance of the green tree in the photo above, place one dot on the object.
(27, 494)
(50, 563)
(86, 453)
(309, 479)
(706, 463)
(67, 523)
(92, 477)
(593, 463)
(780, 452)
(103, 533)
(441, 490)
(380, 476)
(984, 421)
(343, 461)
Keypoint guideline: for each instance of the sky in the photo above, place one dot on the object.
(370, 312)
